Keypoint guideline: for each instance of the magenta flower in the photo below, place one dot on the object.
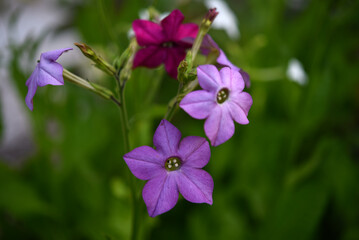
(47, 71)
(173, 167)
(163, 43)
(221, 102)
(208, 44)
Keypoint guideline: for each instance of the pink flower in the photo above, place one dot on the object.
(163, 42)
(221, 102)
(173, 167)
(47, 71)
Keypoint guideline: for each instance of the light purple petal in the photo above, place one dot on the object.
(232, 79)
(244, 100)
(52, 56)
(144, 162)
(50, 73)
(160, 194)
(208, 45)
(173, 58)
(171, 24)
(150, 57)
(195, 185)
(237, 113)
(166, 138)
(219, 126)
(245, 77)
(187, 30)
(194, 151)
(198, 104)
(208, 77)
(148, 33)
(32, 86)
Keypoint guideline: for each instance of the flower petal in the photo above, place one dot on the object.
(245, 77)
(237, 113)
(208, 77)
(151, 57)
(144, 162)
(171, 24)
(51, 56)
(244, 100)
(194, 151)
(219, 126)
(198, 104)
(195, 185)
(50, 73)
(166, 138)
(31, 83)
(232, 79)
(148, 33)
(173, 58)
(160, 194)
(187, 30)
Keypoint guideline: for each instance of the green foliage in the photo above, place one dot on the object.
(292, 173)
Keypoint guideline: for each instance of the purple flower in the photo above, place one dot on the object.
(47, 71)
(162, 43)
(221, 102)
(173, 167)
(208, 44)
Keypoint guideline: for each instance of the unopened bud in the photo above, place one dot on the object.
(210, 16)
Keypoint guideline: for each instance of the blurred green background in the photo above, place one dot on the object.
(292, 173)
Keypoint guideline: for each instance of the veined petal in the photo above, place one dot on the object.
(243, 100)
(50, 73)
(160, 194)
(232, 79)
(198, 104)
(219, 126)
(166, 138)
(195, 151)
(237, 113)
(148, 33)
(195, 185)
(187, 30)
(208, 77)
(171, 24)
(173, 58)
(151, 57)
(144, 162)
(51, 56)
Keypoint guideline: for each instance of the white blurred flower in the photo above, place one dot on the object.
(296, 73)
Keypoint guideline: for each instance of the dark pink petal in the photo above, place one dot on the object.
(243, 100)
(219, 126)
(171, 24)
(166, 138)
(160, 194)
(148, 33)
(198, 104)
(187, 30)
(194, 151)
(195, 185)
(150, 57)
(174, 56)
(144, 162)
(208, 77)
(232, 79)
(51, 56)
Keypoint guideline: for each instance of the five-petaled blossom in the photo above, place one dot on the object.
(221, 102)
(163, 42)
(173, 167)
(47, 71)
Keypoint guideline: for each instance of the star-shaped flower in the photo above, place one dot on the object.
(47, 71)
(162, 43)
(221, 102)
(173, 167)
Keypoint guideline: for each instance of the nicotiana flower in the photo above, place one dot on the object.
(47, 71)
(173, 166)
(208, 44)
(163, 42)
(221, 102)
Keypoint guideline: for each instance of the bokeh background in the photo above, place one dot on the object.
(292, 173)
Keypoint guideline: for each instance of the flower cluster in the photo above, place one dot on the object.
(174, 166)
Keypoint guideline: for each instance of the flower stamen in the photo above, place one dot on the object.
(173, 163)
(222, 95)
